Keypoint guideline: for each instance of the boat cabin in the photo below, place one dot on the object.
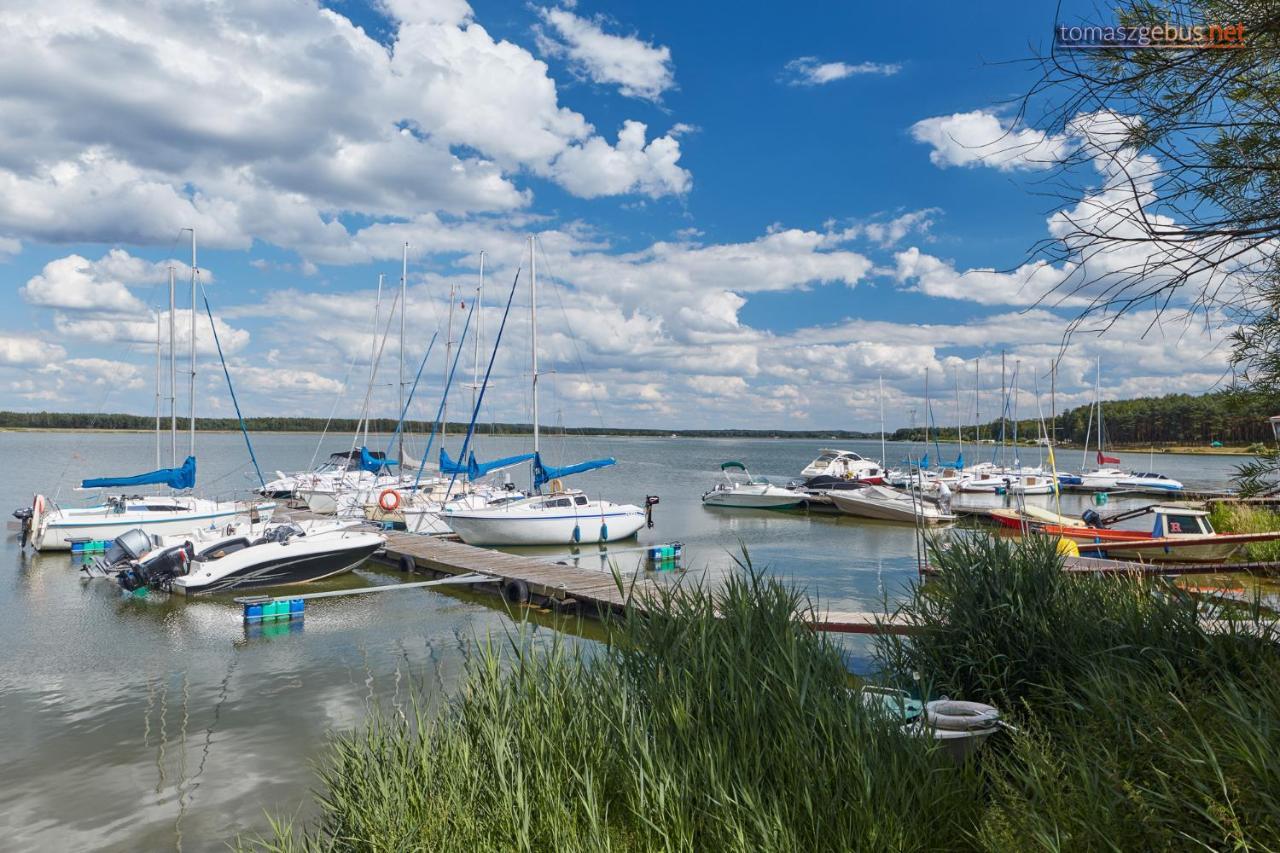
(1180, 521)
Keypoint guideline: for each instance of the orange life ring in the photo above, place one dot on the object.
(389, 500)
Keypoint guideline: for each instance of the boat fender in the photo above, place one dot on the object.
(1067, 548)
(407, 563)
(604, 532)
(389, 500)
(577, 534)
(956, 716)
(515, 591)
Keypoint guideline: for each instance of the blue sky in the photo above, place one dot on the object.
(744, 219)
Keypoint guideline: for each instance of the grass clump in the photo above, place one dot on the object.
(714, 722)
(1242, 518)
(1138, 728)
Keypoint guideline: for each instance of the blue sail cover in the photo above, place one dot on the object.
(543, 473)
(174, 478)
(373, 464)
(958, 464)
(448, 466)
(476, 470)
(924, 463)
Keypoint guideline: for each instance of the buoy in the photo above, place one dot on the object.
(1067, 548)
(1100, 498)
(515, 591)
(555, 486)
(407, 563)
(389, 500)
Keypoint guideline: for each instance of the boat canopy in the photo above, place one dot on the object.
(725, 466)
(175, 478)
(543, 473)
(374, 461)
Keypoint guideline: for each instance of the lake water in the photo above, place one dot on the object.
(130, 723)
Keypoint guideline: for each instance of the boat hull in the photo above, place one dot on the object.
(56, 532)
(863, 506)
(286, 564)
(752, 497)
(514, 528)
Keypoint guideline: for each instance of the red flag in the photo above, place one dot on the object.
(1107, 460)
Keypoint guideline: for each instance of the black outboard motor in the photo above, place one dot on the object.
(24, 515)
(650, 501)
(1091, 518)
(158, 570)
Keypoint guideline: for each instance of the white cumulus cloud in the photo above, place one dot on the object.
(981, 138)
(639, 69)
(811, 71)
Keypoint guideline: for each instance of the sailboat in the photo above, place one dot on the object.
(1108, 474)
(562, 515)
(50, 527)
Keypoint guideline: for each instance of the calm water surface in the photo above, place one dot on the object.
(130, 723)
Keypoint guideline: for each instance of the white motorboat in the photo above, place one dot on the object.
(845, 465)
(1034, 482)
(327, 472)
(741, 490)
(562, 517)
(285, 555)
(886, 504)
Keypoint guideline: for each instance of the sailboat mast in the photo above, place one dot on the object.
(959, 417)
(533, 333)
(1004, 408)
(977, 403)
(192, 388)
(448, 360)
(883, 455)
(158, 324)
(1097, 395)
(373, 357)
(404, 286)
(173, 366)
(475, 371)
(926, 411)
(1053, 402)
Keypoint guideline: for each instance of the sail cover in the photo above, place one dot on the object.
(174, 478)
(448, 466)
(476, 470)
(958, 464)
(373, 461)
(543, 473)
(1107, 460)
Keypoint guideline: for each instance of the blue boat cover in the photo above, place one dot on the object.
(958, 464)
(924, 463)
(174, 478)
(476, 470)
(448, 466)
(543, 473)
(373, 463)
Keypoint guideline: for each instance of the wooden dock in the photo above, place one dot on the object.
(522, 580)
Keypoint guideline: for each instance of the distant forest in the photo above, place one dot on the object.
(1231, 417)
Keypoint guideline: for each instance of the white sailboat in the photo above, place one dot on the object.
(1108, 475)
(51, 527)
(563, 516)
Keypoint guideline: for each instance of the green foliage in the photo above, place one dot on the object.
(720, 722)
(1231, 417)
(1244, 518)
(710, 723)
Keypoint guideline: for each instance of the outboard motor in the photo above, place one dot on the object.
(24, 514)
(1091, 518)
(650, 501)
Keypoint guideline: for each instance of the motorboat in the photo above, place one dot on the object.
(988, 480)
(886, 504)
(561, 517)
(1023, 517)
(1178, 534)
(331, 470)
(50, 527)
(741, 490)
(284, 555)
(1033, 483)
(846, 465)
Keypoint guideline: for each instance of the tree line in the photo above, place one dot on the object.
(1231, 417)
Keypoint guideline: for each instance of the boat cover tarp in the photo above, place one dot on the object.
(476, 470)
(543, 473)
(448, 466)
(373, 462)
(175, 478)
